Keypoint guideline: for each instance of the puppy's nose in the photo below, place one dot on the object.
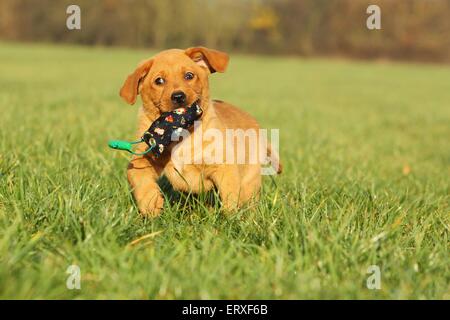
(178, 97)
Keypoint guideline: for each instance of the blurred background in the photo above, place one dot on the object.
(411, 29)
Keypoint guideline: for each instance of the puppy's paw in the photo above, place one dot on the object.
(230, 205)
(151, 205)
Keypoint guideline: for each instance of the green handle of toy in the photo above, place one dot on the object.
(127, 146)
(120, 145)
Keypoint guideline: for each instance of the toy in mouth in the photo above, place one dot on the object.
(159, 136)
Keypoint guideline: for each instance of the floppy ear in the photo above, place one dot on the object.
(214, 60)
(130, 88)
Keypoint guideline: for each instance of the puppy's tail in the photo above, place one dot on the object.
(274, 159)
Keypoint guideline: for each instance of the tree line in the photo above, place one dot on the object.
(410, 29)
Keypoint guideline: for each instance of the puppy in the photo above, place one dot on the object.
(177, 78)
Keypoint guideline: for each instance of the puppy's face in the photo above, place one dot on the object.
(174, 78)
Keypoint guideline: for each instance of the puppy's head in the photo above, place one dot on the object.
(174, 78)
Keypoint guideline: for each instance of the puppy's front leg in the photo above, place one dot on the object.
(227, 181)
(142, 177)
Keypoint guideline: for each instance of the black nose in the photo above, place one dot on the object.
(178, 97)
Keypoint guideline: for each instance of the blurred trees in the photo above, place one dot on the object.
(411, 29)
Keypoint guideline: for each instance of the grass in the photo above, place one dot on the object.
(366, 153)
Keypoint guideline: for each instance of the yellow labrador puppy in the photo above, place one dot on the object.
(176, 78)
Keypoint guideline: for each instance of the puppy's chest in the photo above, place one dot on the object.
(188, 178)
(186, 169)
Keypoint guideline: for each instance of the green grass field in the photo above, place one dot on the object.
(365, 148)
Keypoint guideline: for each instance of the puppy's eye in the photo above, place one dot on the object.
(159, 81)
(189, 76)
